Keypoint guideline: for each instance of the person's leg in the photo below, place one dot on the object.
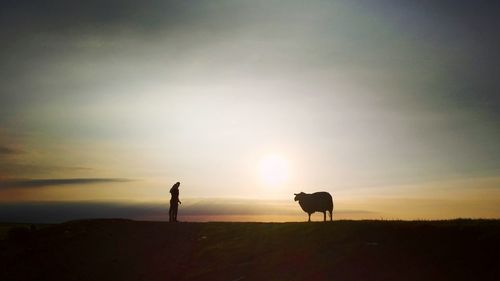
(170, 210)
(176, 207)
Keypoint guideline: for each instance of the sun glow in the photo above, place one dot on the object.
(273, 170)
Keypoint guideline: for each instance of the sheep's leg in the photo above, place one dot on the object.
(324, 215)
(309, 217)
(331, 215)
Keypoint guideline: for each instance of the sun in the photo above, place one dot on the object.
(273, 170)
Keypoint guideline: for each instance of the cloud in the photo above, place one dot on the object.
(5, 150)
(94, 14)
(16, 170)
(228, 209)
(33, 183)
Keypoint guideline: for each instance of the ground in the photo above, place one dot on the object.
(117, 249)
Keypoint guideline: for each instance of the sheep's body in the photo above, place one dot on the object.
(316, 202)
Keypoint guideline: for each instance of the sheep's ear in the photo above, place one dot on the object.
(295, 194)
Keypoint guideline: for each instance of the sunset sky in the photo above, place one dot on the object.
(392, 106)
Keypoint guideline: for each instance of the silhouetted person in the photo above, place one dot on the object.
(174, 202)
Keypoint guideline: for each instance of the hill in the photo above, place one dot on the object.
(116, 249)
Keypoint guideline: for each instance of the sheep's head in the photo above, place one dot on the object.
(299, 196)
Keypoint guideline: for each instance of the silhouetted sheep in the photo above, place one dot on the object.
(316, 202)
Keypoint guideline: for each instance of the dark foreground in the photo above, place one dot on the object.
(342, 250)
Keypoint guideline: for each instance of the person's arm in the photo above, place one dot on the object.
(179, 201)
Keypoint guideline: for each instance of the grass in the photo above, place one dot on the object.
(342, 250)
(5, 227)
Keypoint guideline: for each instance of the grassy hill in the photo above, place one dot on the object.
(116, 249)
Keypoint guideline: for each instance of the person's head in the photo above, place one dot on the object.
(176, 185)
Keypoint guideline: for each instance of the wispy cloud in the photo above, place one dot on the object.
(33, 183)
(191, 210)
(5, 150)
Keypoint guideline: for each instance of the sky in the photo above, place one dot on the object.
(391, 106)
